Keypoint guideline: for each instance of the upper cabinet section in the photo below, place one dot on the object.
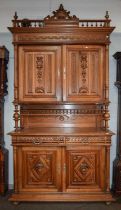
(61, 59)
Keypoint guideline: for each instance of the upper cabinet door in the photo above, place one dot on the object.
(39, 74)
(84, 73)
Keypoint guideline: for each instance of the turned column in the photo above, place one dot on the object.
(117, 162)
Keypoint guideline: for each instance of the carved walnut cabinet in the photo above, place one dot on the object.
(4, 58)
(61, 140)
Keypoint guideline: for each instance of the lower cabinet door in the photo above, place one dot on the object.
(39, 169)
(85, 169)
(59, 169)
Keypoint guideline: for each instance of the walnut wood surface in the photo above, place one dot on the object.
(61, 84)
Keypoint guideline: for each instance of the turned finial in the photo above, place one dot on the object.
(61, 7)
(107, 15)
(15, 16)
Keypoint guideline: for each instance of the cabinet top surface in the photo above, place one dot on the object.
(61, 131)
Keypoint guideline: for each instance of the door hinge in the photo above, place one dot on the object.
(58, 72)
(64, 167)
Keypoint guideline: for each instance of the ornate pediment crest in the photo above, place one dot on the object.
(61, 17)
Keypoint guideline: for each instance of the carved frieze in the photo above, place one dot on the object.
(63, 140)
(92, 37)
(64, 111)
(61, 116)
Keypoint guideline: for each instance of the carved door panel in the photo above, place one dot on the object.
(40, 169)
(83, 73)
(85, 169)
(39, 74)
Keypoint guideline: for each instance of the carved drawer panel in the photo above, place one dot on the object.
(40, 169)
(61, 140)
(85, 168)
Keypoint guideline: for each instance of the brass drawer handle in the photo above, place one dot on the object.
(39, 166)
(84, 167)
(37, 141)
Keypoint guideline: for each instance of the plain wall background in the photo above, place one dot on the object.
(39, 9)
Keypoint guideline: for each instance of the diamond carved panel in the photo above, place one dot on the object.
(39, 168)
(83, 166)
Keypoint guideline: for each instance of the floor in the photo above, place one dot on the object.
(7, 205)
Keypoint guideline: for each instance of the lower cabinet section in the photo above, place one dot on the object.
(61, 173)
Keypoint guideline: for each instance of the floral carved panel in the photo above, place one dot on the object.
(39, 75)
